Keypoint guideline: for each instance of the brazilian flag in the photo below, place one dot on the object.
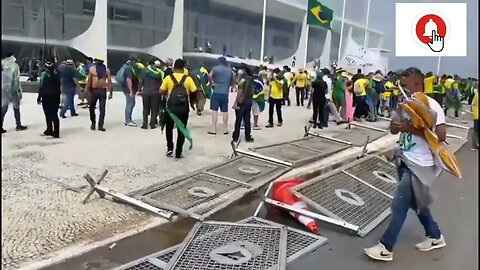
(319, 14)
(259, 92)
(202, 75)
(154, 73)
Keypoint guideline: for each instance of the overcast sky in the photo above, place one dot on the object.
(382, 18)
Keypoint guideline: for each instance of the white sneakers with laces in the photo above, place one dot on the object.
(380, 253)
(431, 243)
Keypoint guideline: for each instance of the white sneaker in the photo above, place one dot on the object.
(431, 243)
(379, 253)
(131, 124)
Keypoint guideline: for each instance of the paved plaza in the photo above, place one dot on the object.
(42, 181)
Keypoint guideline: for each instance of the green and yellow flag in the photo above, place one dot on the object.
(319, 14)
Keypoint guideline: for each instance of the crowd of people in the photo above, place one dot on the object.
(170, 90)
(328, 91)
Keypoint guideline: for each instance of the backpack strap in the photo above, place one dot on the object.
(174, 80)
(182, 81)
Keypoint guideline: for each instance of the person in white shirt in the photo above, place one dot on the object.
(417, 171)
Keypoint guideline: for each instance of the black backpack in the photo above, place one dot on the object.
(177, 102)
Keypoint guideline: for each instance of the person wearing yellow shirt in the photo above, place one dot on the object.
(386, 96)
(177, 104)
(300, 81)
(275, 100)
(475, 121)
(360, 88)
(428, 84)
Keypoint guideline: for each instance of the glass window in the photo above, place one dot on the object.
(124, 14)
(281, 41)
(88, 7)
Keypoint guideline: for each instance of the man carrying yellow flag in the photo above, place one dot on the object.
(417, 171)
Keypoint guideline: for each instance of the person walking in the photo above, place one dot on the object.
(68, 77)
(49, 97)
(374, 96)
(329, 105)
(177, 87)
(275, 100)
(338, 93)
(221, 77)
(11, 90)
(99, 80)
(348, 89)
(319, 87)
(417, 171)
(243, 105)
(360, 88)
(128, 78)
(300, 82)
(151, 80)
(476, 127)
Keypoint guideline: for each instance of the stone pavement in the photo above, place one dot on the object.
(46, 175)
(42, 179)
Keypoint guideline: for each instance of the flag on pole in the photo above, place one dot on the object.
(319, 14)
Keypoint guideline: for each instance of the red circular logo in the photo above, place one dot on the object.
(426, 24)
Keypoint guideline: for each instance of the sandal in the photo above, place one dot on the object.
(211, 133)
(226, 132)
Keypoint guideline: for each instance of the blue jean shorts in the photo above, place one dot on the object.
(219, 101)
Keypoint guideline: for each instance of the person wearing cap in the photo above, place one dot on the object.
(417, 171)
(222, 79)
(49, 97)
(151, 80)
(68, 75)
(11, 90)
(168, 85)
(338, 93)
(130, 89)
(99, 80)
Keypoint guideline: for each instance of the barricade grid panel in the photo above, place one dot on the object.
(323, 146)
(288, 152)
(341, 196)
(377, 172)
(224, 246)
(249, 170)
(298, 242)
(188, 192)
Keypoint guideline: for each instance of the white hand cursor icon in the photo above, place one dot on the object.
(437, 42)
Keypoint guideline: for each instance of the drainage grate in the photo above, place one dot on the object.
(222, 246)
(299, 243)
(344, 198)
(194, 192)
(289, 152)
(377, 172)
(249, 170)
(325, 147)
(357, 135)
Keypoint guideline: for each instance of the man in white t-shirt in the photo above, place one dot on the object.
(417, 171)
(330, 106)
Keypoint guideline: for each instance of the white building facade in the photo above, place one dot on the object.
(114, 29)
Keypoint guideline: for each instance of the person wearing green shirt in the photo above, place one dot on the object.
(338, 94)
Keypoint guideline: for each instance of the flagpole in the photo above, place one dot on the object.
(341, 31)
(366, 26)
(264, 18)
(306, 46)
(438, 65)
